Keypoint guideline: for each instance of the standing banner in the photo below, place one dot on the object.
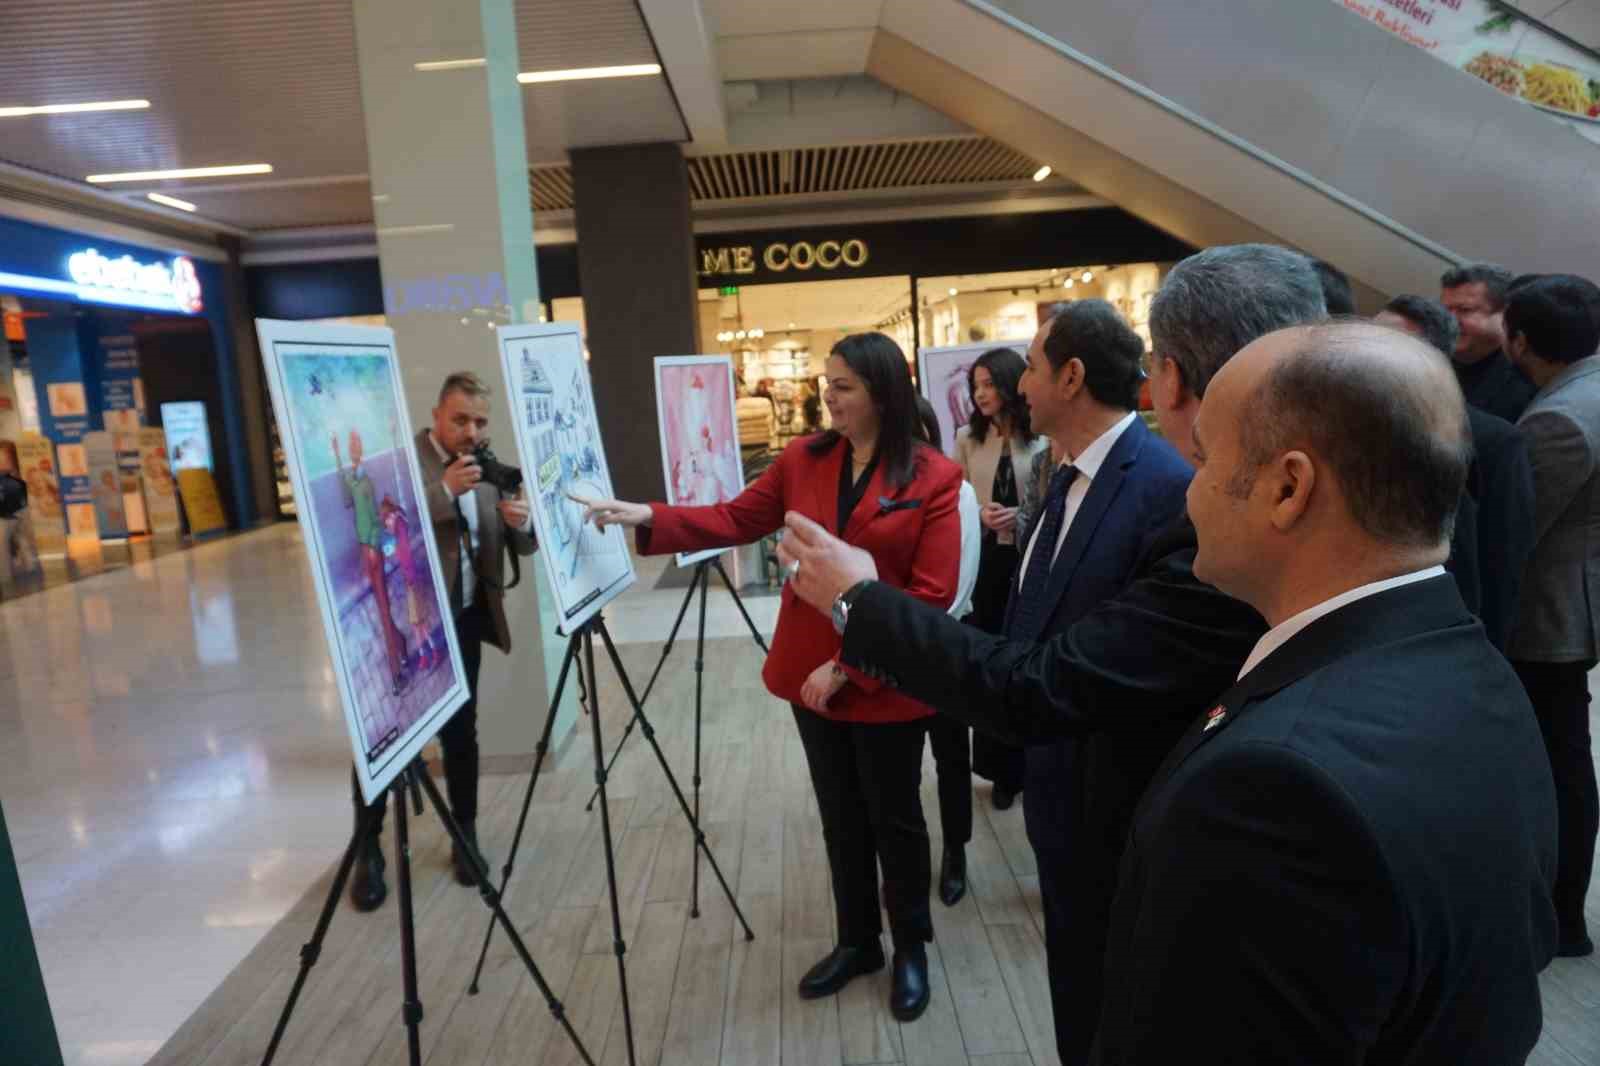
(558, 440)
(188, 435)
(160, 490)
(942, 377)
(1493, 44)
(105, 481)
(36, 456)
(699, 434)
(198, 490)
(352, 460)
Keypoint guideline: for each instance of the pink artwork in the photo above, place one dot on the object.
(700, 438)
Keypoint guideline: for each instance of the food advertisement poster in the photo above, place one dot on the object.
(351, 457)
(1493, 44)
(36, 457)
(558, 440)
(160, 489)
(105, 481)
(699, 434)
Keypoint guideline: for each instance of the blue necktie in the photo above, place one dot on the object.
(1027, 620)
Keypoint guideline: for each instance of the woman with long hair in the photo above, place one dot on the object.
(873, 482)
(995, 449)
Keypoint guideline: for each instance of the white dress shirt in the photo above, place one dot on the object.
(971, 547)
(1279, 635)
(1088, 465)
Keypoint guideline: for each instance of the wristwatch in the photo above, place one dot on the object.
(842, 604)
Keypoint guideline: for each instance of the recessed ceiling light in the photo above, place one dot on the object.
(450, 64)
(954, 291)
(73, 109)
(1042, 173)
(1067, 284)
(171, 201)
(1088, 276)
(175, 175)
(636, 70)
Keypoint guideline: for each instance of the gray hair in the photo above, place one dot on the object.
(1379, 407)
(1217, 301)
(465, 382)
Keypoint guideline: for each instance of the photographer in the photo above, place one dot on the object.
(477, 508)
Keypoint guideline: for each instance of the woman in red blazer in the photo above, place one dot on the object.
(873, 482)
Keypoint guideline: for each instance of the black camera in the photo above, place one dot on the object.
(13, 496)
(508, 479)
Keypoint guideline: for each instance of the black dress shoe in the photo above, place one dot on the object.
(909, 996)
(1003, 798)
(836, 970)
(367, 890)
(463, 864)
(953, 875)
(1575, 947)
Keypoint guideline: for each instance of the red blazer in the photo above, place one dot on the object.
(917, 548)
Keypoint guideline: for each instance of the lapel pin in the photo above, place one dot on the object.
(1214, 717)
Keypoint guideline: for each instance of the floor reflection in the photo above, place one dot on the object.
(94, 558)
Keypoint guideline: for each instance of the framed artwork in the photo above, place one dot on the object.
(942, 377)
(699, 435)
(352, 459)
(558, 441)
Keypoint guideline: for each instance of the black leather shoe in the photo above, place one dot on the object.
(367, 890)
(463, 865)
(953, 876)
(909, 996)
(841, 964)
(1003, 798)
(1575, 947)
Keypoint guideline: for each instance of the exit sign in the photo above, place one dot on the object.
(728, 290)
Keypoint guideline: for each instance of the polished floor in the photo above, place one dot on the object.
(176, 784)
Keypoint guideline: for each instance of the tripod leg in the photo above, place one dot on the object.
(527, 801)
(666, 650)
(412, 1010)
(313, 947)
(739, 603)
(699, 689)
(683, 804)
(491, 899)
(605, 829)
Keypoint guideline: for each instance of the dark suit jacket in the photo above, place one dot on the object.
(1352, 864)
(1136, 494)
(1497, 386)
(1494, 525)
(493, 535)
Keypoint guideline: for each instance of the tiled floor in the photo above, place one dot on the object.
(177, 772)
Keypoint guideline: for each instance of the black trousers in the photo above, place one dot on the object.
(952, 757)
(1559, 693)
(866, 779)
(994, 759)
(1076, 891)
(459, 737)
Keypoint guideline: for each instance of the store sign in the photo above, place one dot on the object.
(125, 281)
(779, 257)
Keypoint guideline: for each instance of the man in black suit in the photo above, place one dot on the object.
(1493, 535)
(1130, 674)
(1476, 295)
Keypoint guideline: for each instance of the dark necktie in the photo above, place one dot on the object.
(1028, 618)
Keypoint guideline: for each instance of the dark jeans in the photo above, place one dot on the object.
(1559, 693)
(994, 759)
(866, 778)
(459, 737)
(952, 757)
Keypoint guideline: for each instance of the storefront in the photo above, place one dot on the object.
(777, 300)
(107, 342)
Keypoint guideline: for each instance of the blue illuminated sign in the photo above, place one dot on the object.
(122, 281)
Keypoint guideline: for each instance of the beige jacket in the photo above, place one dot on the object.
(980, 461)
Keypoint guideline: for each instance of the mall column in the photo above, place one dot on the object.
(448, 161)
(637, 273)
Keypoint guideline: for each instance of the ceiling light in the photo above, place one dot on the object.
(954, 291)
(173, 175)
(739, 335)
(791, 325)
(758, 333)
(450, 64)
(171, 201)
(1067, 284)
(1088, 276)
(74, 109)
(1042, 173)
(637, 70)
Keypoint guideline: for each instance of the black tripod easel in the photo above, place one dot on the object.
(702, 582)
(415, 780)
(583, 639)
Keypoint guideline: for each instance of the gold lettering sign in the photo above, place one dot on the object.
(779, 257)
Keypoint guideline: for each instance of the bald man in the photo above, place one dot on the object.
(1349, 857)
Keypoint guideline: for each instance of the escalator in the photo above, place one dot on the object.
(1301, 123)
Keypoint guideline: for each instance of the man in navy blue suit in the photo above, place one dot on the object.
(1116, 488)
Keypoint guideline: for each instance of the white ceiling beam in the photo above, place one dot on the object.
(689, 60)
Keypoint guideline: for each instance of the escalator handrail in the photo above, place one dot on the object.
(1544, 28)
